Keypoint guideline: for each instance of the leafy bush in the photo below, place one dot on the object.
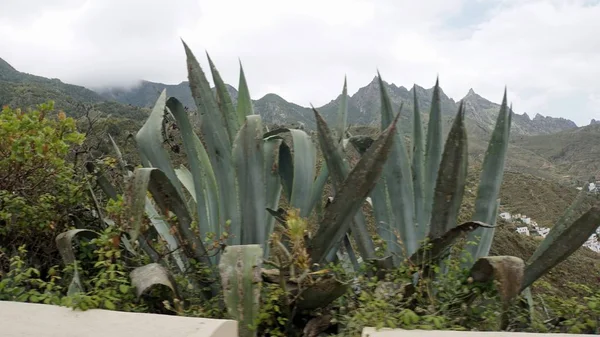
(38, 186)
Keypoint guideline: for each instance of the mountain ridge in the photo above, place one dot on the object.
(363, 105)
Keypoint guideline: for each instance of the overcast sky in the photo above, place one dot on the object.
(546, 51)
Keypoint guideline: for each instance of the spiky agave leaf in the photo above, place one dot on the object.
(168, 200)
(298, 170)
(145, 277)
(398, 178)
(339, 170)
(418, 166)
(64, 243)
(150, 142)
(352, 193)
(156, 220)
(451, 179)
(433, 157)
(216, 140)
(244, 104)
(240, 269)
(271, 148)
(248, 158)
(438, 248)
(491, 178)
(203, 187)
(382, 209)
(557, 248)
(225, 103)
(568, 217)
(342, 115)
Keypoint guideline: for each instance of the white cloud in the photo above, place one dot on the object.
(546, 52)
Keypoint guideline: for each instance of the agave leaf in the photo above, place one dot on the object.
(224, 102)
(398, 178)
(157, 222)
(297, 171)
(565, 220)
(271, 148)
(187, 180)
(557, 249)
(64, 243)
(145, 277)
(319, 184)
(204, 185)
(530, 303)
(418, 163)
(244, 103)
(491, 176)
(321, 293)
(241, 279)
(135, 200)
(286, 170)
(216, 141)
(248, 158)
(382, 210)
(433, 156)
(487, 236)
(102, 180)
(111, 192)
(305, 159)
(163, 229)
(342, 115)
(439, 248)
(451, 179)
(168, 200)
(122, 162)
(339, 172)
(318, 187)
(350, 253)
(139, 204)
(352, 193)
(95, 201)
(150, 142)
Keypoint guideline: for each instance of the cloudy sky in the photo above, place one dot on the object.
(547, 52)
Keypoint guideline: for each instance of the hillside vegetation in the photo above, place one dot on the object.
(575, 153)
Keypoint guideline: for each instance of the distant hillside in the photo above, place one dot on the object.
(536, 147)
(24, 90)
(363, 107)
(575, 152)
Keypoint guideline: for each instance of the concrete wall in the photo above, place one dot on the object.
(39, 320)
(371, 332)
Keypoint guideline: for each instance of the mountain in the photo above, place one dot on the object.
(26, 90)
(543, 146)
(363, 107)
(574, 153)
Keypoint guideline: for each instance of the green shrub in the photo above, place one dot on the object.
(39, 188)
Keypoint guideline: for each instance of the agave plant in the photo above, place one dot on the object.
(236, 174)
(420, 193)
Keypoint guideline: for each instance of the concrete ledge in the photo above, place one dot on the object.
(40, 320)
(372, 332)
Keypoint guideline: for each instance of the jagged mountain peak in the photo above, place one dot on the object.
(364, 106)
